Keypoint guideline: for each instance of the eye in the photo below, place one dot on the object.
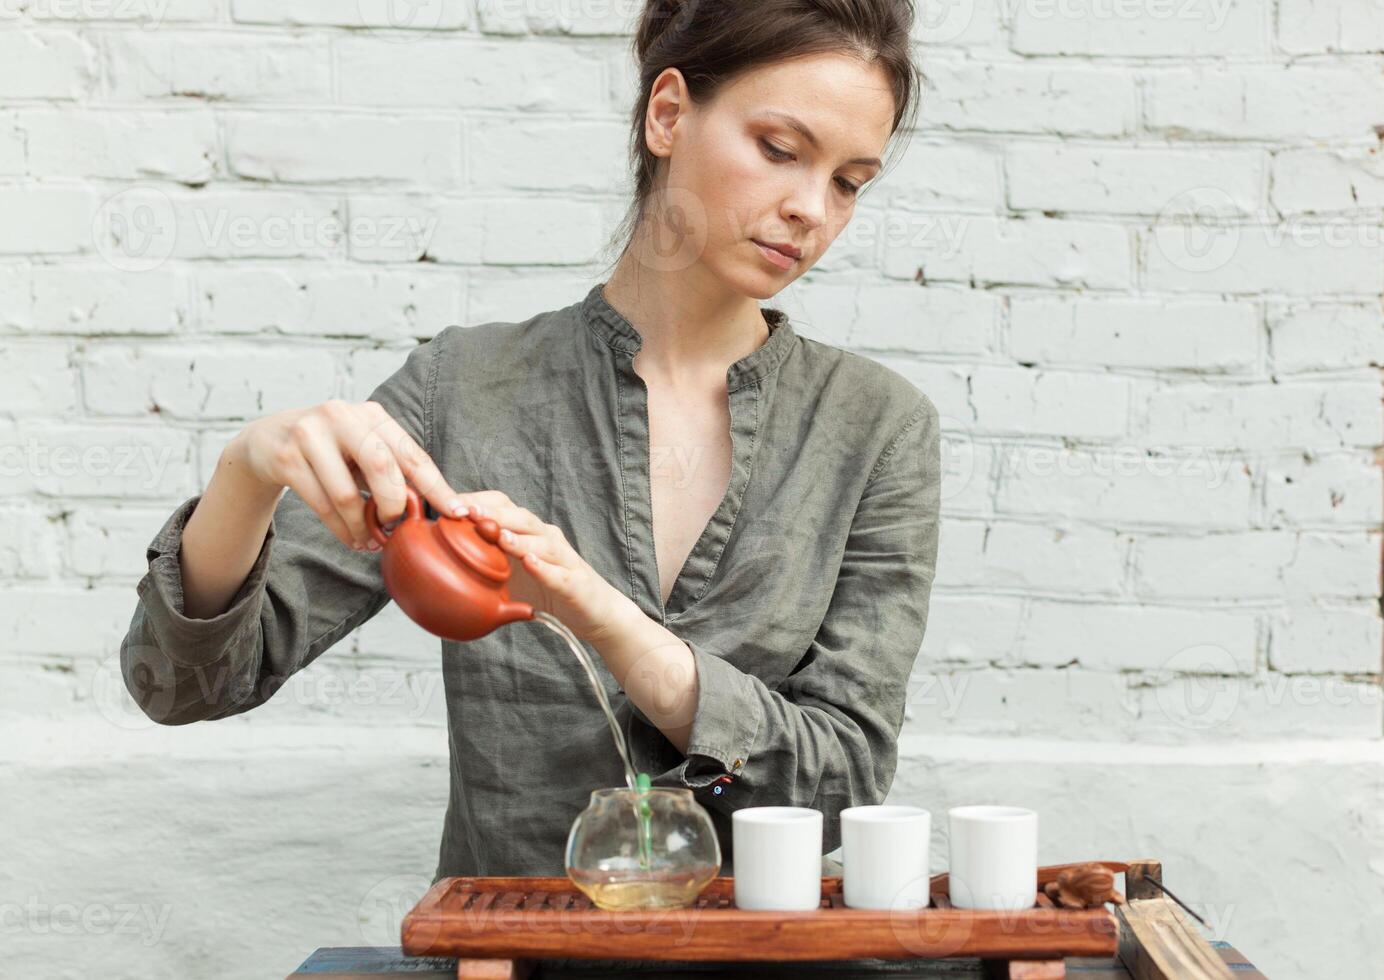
(780, 156)
(773, 152)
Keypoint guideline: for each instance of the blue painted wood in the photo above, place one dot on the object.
(373, 959)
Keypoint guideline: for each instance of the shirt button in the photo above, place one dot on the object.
(738, 763)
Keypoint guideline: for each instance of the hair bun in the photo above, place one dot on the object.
(659, 16)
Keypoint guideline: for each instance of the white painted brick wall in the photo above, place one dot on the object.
(1133, 254)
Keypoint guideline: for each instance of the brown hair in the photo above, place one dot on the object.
(711, 42)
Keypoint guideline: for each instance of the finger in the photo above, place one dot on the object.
(548, 574)
(356, 475)
(324, 456)
(376, 461)
(415, 464)
(489, 501)
(305, 484)
(473, 503)
(363, 485)
(534, 544)
(517, 519)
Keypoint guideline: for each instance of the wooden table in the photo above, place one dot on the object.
(383, 962)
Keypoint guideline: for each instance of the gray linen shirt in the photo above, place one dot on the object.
(803, 602)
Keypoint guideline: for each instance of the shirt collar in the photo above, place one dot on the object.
(611, 327)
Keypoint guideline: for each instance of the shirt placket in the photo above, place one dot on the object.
(700, 565)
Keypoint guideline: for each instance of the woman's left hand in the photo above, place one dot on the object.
(546, 572)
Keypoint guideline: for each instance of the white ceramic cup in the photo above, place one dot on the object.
(884, 856)
(994, 857)
(778, 857)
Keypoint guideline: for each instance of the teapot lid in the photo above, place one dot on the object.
(474, 542)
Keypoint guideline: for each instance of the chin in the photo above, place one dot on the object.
(751, 278)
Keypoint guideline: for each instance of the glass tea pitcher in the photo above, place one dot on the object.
(662, 860)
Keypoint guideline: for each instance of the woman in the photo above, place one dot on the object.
(758, 597)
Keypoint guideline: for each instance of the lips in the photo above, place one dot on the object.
(792, 251)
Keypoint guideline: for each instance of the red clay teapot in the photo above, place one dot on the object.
(449, 575)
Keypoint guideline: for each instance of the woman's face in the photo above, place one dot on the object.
(741, 173)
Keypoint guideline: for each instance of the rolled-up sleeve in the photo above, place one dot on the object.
(304, 592)
(827, 736)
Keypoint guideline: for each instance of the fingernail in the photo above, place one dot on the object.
(507, 535)
(457, 507)
(481, 511)
(373, 546)
(355, 545)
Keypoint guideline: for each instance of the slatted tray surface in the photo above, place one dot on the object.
(529, 917)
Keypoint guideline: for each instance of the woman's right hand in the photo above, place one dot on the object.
(329, 453)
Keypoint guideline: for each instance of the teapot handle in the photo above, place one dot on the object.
(413, 511)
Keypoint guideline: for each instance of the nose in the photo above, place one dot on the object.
(806, 203)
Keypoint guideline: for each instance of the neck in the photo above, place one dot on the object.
(693, 327)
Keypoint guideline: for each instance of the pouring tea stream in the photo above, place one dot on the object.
(450, 576)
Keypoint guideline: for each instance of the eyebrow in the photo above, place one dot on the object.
(793, 122)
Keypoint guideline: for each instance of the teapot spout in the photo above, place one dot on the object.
(513, 612)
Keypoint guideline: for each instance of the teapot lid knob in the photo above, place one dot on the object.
(474, 543)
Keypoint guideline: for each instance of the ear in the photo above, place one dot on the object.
(668, 103)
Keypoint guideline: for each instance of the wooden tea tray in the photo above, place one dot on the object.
(498, 927)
